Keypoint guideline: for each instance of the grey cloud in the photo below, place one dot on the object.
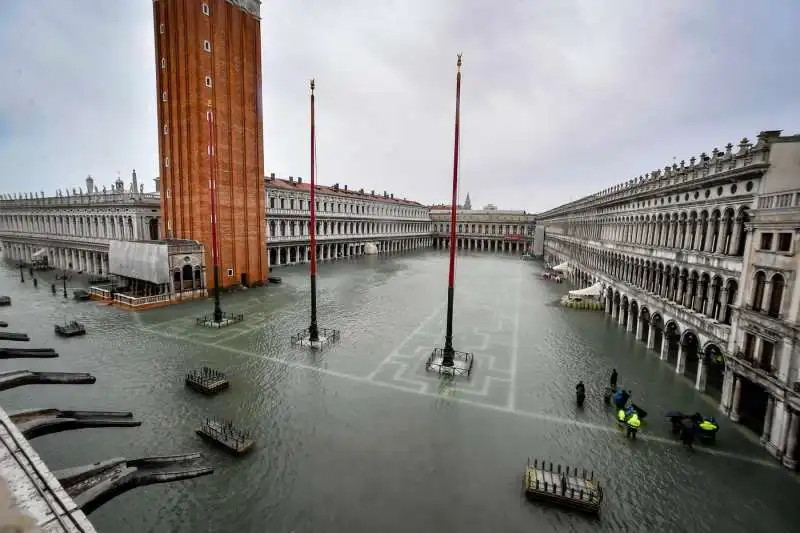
(560, 99)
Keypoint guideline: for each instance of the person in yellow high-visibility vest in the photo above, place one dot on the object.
(633, 424)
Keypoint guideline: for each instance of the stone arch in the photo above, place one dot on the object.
(777, 286)
(657, 321)
(690, 350)
(624, 309)
(644, 318)
(672, 336)
(714, 360)
(633, 316)
(616, 304)
(152, 227)
(610, 301)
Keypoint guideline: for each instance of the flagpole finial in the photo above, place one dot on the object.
(312, 85)
(458, 63)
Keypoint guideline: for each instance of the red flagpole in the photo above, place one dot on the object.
(448, 355)
(212, 185)
(313, 330)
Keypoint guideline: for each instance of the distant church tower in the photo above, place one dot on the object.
(467, 203)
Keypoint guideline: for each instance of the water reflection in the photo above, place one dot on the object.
(358, 437)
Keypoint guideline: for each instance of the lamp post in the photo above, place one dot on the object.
(63, 278)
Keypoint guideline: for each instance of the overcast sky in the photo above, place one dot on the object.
(560, 98)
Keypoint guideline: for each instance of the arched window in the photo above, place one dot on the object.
(776, 296)
(758, 290)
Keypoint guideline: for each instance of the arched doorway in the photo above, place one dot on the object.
(658, 332)
(644, 317)
(616, 305)
(610, 301)
(715, 371)
(753, 405)
(634, 316)
(690, 347)
(672, 336)
(188, 277)
(624, 311)
(176, 281)
(153, 229)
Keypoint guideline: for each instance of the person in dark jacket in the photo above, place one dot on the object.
(613, 380)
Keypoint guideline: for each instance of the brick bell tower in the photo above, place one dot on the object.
(208, 64)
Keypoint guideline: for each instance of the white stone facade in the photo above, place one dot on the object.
(699, 262)
(346, 221)
(490, 230)
(74, 231)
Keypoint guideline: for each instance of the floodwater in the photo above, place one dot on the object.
(360, 438)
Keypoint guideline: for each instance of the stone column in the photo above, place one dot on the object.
(767, 431)
(789, 458)
(680, 364)
(621, 314)
(664, 347)
(651, 335)
(702, 375)
(737, 395)
(638, 332)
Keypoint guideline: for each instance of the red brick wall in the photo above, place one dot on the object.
(234, 65)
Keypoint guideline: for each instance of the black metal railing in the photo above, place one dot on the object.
(230, 317)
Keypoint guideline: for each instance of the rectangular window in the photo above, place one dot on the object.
(207, 46)
(272, 203)
(784, 242)
(164, 96)
(163, 62)
(766, 241)
(206, 10)
(162, 28)
(208, 81)
(230, 272)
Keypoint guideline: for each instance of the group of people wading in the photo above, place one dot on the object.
(629, 416)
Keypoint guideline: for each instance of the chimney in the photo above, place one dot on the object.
(360, 191)
(158, 183)
(299, 179)
(291, 179)
(373, 192)
(89, 184)
(335, 186)
(272, 176)
(392, 196)
(345, 188)
(385, 194)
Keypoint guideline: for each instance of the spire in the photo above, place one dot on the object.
(467, 203)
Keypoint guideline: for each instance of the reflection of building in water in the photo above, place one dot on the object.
(699, 261)
(153, 273)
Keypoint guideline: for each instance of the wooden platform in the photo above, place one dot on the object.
(566, 487)
(207, 380)
(226, 435)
